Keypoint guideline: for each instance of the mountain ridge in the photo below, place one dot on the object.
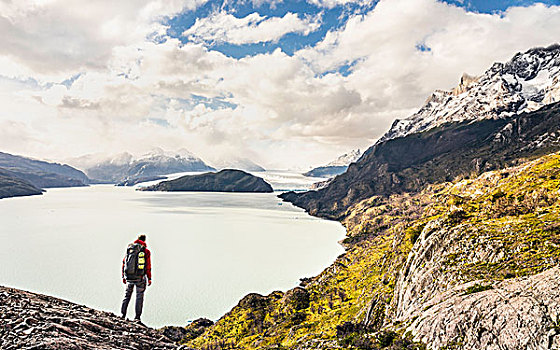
(23, 176)
(125, 167)
(527, 82)
(436, 155)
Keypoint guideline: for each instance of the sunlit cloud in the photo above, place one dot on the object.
(222, 27)
(119, 82)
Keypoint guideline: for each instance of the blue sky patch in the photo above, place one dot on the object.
(422, 47)
(331, 19)
(494, 6)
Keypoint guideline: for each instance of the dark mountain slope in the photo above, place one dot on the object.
(12, 186)
(43, 174)
(440, 154)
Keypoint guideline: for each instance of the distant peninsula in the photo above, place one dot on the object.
(227, 180)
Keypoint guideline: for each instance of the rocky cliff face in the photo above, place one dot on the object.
(474, 279)
(527, 82)
(35, 321)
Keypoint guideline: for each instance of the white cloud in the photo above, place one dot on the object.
(222, 27)
(134, 94)
(320, 3)
(334, 3)
(54, 37)
(394, 78)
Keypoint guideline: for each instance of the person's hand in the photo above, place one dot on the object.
(149, 282)
(124, 281)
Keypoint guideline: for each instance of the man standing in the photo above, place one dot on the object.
(136, 267)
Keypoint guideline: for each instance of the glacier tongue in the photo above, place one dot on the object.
(527, 82)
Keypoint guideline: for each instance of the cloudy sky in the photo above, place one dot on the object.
(285, 83)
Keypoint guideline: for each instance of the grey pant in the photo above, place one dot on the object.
(140, 288)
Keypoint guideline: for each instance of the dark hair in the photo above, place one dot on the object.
(142, 238)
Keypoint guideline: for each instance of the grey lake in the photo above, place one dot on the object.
(208, 249)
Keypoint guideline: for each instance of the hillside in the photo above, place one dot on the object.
(35, 321)
(457, 265)
(227, 180)
(12, 186)
(439, 154)
(42, 174)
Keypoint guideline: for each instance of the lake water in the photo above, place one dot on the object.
(208, 249)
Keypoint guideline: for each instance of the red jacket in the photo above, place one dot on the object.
(148, 261)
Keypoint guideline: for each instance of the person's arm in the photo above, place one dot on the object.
(122, 271)
(149, 266)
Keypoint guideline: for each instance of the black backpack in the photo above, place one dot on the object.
(135, 262)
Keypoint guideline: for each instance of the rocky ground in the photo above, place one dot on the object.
(35, 321)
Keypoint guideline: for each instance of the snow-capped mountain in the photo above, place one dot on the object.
(527, 82)
(346, 158)
(125, 166)
(337, 166)
(236, 163)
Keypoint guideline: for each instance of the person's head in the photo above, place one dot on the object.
(142, 237)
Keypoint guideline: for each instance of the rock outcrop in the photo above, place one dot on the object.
(520, 313)
(35, 321)
(223, 181)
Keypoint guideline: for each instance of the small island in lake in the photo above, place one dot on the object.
(227, 180)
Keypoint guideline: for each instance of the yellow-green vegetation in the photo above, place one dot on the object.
(512, 213)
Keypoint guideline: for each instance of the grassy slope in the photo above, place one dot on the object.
(351, 303)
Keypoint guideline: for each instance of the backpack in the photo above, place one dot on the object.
(135, 262)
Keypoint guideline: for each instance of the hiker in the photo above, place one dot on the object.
(136, 268)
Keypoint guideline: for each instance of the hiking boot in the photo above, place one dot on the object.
(137, 321)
